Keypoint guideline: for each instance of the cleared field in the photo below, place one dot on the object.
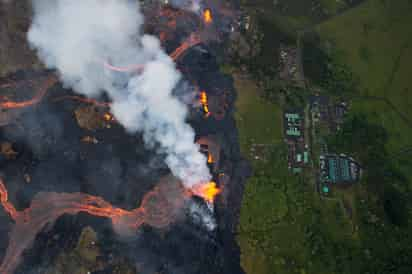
(258, 121)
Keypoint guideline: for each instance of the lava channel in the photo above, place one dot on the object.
(36, 99)
(159, 208)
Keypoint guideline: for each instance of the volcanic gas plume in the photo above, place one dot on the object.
(75, 36)
(159, 208)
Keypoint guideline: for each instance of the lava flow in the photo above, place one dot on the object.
(209, 158)
(159, 208)
(207, 16)
(191, 41)
(207, 191)
(204, 102)
(36, 99)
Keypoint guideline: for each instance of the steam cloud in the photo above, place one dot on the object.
(77, 37)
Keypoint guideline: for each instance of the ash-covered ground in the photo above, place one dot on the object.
(61, 144)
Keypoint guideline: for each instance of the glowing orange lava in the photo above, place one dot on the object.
(204, 102)
(207, 16)
(108, 117)
(4, 200)
(159, 208)
(209, 158)
(191, 41)
(207, 191)
(36, 99)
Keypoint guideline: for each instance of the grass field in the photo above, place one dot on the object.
(258, 120)
(375, 40)
(278, 208)
(291, 16)
(284, 226)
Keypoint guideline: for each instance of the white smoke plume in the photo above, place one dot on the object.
(76, 37)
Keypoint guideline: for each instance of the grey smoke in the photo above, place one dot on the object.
(77, 37)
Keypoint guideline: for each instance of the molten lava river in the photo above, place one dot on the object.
(158, 209)
(62, 153)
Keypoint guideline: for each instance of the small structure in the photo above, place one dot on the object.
(293, 125)
(327, 113)
(289, 65)
(294, 128)
(339, 169)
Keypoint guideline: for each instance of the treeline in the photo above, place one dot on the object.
(323, 70)
(384, 210)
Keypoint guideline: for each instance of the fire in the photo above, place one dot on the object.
(108, 117)
(204, 102)
(207, 191)
(209, 158)
(207, 16)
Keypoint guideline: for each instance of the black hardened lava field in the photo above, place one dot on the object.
(72, 165)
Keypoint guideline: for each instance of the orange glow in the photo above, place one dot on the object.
(203, 98)
(209, 158)
(158, 208)
(36, 99)
(108, 117)
(207, 191)
(4, 200)
(207, 16)
(204, 102)
(191, 41)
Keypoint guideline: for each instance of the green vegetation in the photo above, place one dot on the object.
(257, 116)
(86, 257)
(375, 41)
(324, 71)
(291, 16)
(383, 178)
(361, 55)
(284, 227)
